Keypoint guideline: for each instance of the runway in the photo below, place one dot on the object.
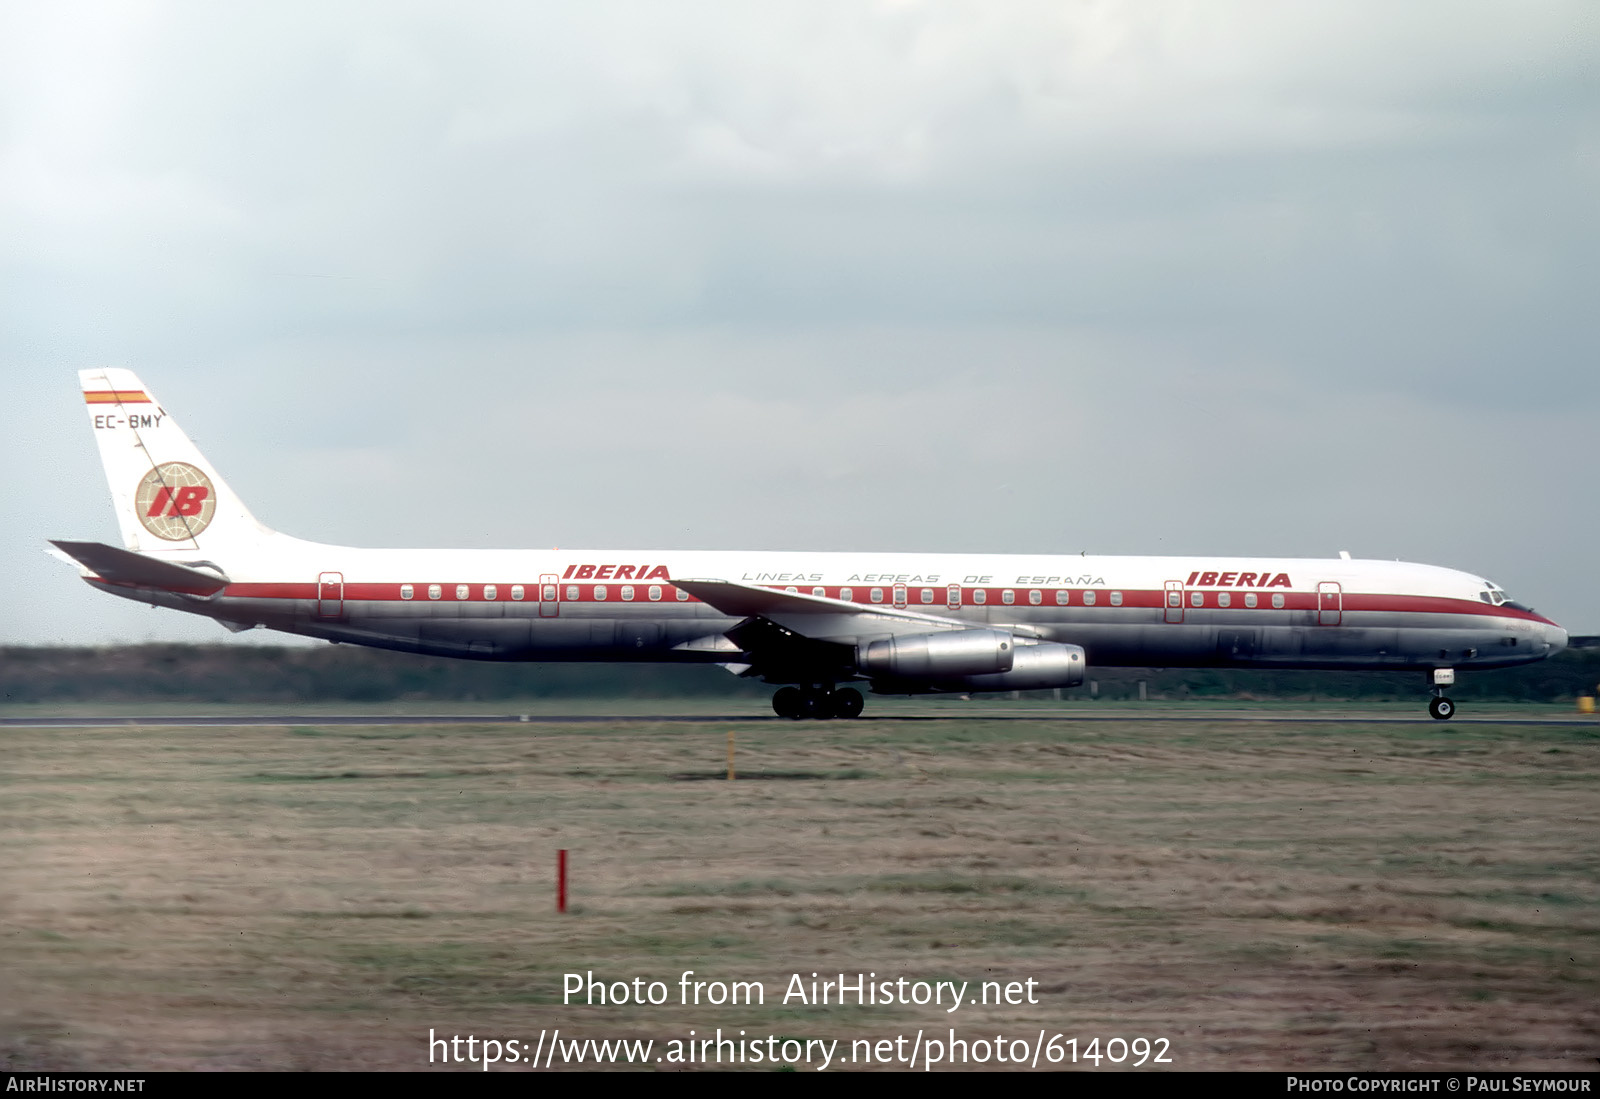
(1256, 717)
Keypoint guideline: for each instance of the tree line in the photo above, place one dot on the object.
(340, 673)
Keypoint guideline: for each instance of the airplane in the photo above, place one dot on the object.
(811, 623)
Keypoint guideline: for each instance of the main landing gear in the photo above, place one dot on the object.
(817, 703)
(1442, 708)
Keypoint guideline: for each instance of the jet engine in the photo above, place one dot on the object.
(971, 660)
(953, 653)
(1035, 668)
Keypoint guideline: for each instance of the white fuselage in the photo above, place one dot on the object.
(622, 605)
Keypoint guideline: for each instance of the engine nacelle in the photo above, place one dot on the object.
(1035, 668)
(951, 654)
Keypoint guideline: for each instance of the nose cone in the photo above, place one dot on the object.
(1555, 639)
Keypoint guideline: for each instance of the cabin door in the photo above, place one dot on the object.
(1330, 603)
(1174, 600)
(330, 595)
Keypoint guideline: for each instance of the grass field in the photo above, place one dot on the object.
(1263, 896)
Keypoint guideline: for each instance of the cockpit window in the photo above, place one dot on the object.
(1496, 596)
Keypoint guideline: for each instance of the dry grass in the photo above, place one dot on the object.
(1266, 896)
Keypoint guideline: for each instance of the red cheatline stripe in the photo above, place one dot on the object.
(117, 396)
(993, 598)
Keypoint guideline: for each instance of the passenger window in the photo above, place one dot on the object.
(655, 593)
(980, 595)
(1036, 597)
(1088, 599)
(405, 591)
(1250, 599)
(1197, 599)
(1116, 599)
(461, 591)
(1224, 599)
(792, 590)
(549, 591)
(1063, 597)
(683, 596)
(434, 591)
(517, 592)
(1008, 596)
(1277, 600)
(572, 592)
(876, 595)
(627, 593)
(490, 591)
(927, 595)
(600, 593)
(846, 594)
(819, 591)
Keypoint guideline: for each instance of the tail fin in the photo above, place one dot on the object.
(168, 498)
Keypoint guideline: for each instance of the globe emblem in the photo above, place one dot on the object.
(175, 501)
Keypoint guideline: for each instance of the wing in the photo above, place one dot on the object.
(790, 631)
(791, 637)
(822, 619)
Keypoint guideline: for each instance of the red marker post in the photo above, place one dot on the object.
(561, 880)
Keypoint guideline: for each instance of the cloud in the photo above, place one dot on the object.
(1157, 277)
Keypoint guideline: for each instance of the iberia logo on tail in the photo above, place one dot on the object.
(175, 501)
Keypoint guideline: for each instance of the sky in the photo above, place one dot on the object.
(1167, 278)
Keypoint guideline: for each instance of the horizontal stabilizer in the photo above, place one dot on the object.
(120, 566)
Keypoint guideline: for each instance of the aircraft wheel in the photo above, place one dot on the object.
(1442, 708)
(847, 702)
(786, 703)
(815, 704)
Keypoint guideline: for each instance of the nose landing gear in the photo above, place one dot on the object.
(1442, 708)
(817, 703)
